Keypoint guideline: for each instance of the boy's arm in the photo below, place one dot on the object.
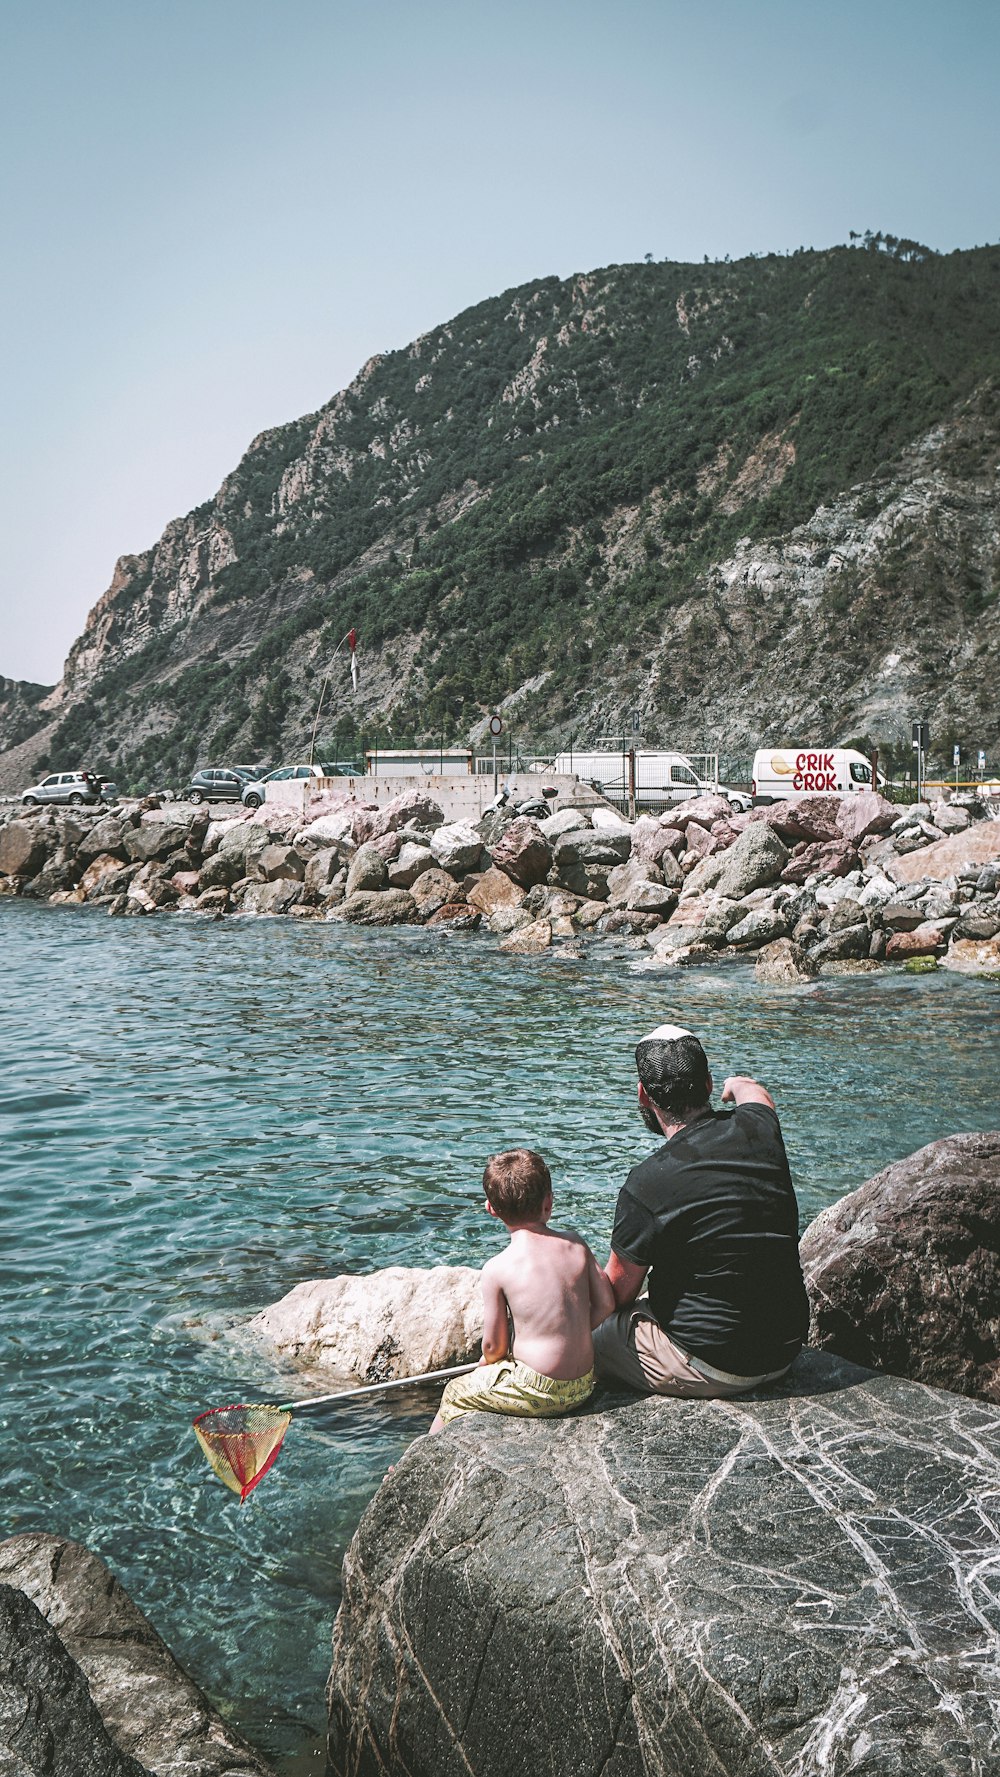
(602, 1296)
(494, 1318)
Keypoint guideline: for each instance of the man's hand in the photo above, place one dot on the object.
(740, 1089)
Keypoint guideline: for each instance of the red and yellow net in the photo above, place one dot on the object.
(241, 1443)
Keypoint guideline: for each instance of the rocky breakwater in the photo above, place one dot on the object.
(824, 884)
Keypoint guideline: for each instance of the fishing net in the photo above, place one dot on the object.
(241, 1443)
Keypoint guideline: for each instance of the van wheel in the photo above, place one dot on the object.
(76, 800)
(30, 801)
(252, 801)
(194, 796)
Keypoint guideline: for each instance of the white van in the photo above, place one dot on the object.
(782, 774)
(660, 778)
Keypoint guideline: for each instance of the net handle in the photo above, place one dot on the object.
(354, 1394)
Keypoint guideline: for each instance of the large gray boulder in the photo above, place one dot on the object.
(370, 1328)
(412, 861)
(905, 1272)
(107, 835)
(23, 848)
(368, 870)
(756, 858)
(789, 1585)
(392, 907)
(154, 839)
(48, 1722)
(65, 1625)
(585, 846)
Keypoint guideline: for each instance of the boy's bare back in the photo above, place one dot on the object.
(556, 1293)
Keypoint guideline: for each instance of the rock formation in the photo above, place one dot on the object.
(49, 1726)
(904, 1274)
(394, 1322)
(789, 1584)
(87, 1687)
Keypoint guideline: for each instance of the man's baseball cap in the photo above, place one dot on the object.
(673, 1068)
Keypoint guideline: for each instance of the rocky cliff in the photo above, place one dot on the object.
(753, 501)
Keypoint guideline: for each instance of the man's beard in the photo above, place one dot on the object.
(650, 1119)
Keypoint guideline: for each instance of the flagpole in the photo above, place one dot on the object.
(326, 681)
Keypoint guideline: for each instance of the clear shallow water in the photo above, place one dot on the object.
(194, 1116)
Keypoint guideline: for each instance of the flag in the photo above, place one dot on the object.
(352, 642)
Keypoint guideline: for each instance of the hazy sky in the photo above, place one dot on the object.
(215, 210)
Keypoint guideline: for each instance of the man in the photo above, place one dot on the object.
(712, 1218)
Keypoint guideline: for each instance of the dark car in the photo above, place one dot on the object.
(222, 783)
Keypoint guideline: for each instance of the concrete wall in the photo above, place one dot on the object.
(459, 798)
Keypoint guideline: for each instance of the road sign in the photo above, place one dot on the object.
(982, 760)
(921, 736)
(956, 756)
(496, 725)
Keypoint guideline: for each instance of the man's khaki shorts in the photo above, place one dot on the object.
(631, 1347)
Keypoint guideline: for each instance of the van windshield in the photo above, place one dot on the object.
(861, 774)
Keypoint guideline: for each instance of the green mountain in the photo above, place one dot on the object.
(753, 501)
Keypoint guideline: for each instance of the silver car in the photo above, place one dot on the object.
(74, 787)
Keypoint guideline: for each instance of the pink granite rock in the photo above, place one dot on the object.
(522, 852)
(863, 814)
(832, 858)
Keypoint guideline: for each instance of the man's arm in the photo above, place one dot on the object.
(494, 1318)
(740, 1089)
(602, 1296)
(626, 1279)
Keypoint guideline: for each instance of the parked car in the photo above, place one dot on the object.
(222, 783)
(74, 787)
(254, 792)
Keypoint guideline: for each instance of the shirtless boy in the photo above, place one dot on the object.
(550, 1286)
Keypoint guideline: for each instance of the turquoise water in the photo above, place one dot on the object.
(197, 1115)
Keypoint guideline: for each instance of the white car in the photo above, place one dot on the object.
(74, 787)
(252, 794)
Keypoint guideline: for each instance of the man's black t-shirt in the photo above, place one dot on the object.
(712, 1214)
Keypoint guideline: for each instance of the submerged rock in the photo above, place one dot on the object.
(786, 1583)
(905, 1272)
(784, 963)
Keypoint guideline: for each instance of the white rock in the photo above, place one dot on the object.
(878, 891)
(830, 894)
(608, 820)
(456, 846)
(327, 829)
(563, 821)
(395, 1322)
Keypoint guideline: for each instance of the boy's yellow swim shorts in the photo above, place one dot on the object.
(510, 1387)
